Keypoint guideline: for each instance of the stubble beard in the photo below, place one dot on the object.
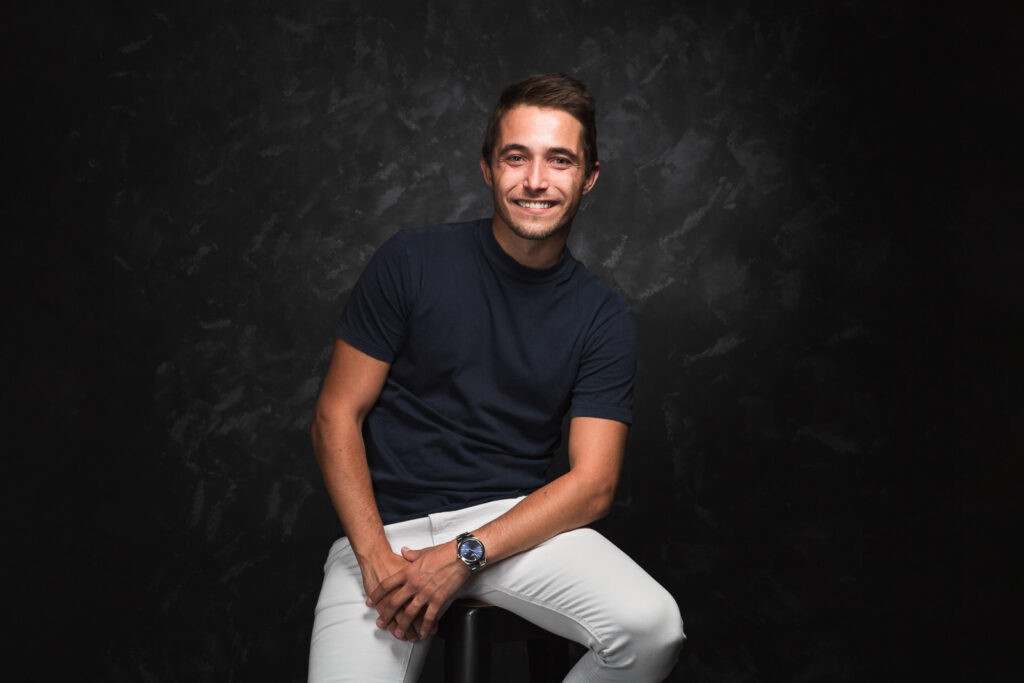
(538, 233)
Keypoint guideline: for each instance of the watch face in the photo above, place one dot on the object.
(471, 550)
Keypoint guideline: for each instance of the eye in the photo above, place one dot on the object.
(561, 162)
(515, 158)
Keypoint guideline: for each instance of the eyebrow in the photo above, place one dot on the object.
(556, 151)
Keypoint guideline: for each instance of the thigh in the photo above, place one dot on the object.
(580, 586)
(346, 644)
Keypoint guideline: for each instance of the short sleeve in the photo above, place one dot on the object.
(604, 383)
(374, 319)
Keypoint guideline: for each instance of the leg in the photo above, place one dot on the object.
(346, 644)
(580, 586)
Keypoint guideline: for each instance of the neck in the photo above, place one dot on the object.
(537, 254)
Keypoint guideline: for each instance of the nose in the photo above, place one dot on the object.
(536, 179)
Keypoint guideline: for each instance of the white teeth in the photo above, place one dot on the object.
(535, 205)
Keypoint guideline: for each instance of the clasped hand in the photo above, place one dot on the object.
(409, 601)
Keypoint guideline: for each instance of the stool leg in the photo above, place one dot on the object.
(467, 650)
(549, 659)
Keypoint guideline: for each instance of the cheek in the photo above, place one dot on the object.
(571, 188)
(508, 182)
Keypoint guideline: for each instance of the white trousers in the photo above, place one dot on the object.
(577, 585)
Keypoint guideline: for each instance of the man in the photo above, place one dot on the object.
(459, 352)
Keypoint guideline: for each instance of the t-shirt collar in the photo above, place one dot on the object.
(558, 273)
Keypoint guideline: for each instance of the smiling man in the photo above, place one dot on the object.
(537, 181)
(459, 352)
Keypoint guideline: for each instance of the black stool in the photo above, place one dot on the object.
(468, 629)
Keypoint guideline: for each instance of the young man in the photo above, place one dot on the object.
(459, 352)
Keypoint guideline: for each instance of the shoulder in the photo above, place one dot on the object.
(413, 249)
(445, 235)
(605, 315)
(599, 296)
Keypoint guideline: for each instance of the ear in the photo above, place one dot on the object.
(485, 168)
(588, 184)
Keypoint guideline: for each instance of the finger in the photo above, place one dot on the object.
(410, 554)
(399, 633)
(386, 615)
(419, 629)
(386, 586)
(428, 625)
(407, 616)
(372, 594)
(398, 608)
(389, 606)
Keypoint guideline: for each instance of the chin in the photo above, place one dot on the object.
(536, 231)
(538, 234)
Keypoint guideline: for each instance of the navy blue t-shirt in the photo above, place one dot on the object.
(486, 357)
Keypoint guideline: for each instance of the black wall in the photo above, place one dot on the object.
(807, 205)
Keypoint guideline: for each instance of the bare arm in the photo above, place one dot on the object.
(353, 383)
(580, 496)
(409, 601)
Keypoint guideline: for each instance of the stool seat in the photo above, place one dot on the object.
(469, 627)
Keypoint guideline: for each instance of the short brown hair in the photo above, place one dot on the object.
(555, 91)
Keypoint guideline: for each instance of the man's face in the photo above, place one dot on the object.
(537, 172)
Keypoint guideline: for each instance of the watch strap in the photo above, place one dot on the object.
(474, 565)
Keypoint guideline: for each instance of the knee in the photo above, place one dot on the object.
(651, 636)
(675, 637)
(663, 637)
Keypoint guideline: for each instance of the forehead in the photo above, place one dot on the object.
(540, 128)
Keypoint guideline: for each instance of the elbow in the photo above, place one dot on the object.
(317, 424)
(319, 427)
(333, 424)
(594, 491)
(602, 507)
(600, 499)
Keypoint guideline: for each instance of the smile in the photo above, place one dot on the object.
(534, 205)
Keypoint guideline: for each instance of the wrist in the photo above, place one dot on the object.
(470, 551)
(374, 551)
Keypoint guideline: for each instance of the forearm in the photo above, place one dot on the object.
(409, 602)
(583, 494)
(567, 503)
(341, 454)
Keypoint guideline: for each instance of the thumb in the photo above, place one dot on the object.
(410, 554)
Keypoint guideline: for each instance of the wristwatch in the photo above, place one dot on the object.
(470, 550)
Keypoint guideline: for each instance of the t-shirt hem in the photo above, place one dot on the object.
(364, 345)
(603, 412)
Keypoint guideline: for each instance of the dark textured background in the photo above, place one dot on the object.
(807, 205)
